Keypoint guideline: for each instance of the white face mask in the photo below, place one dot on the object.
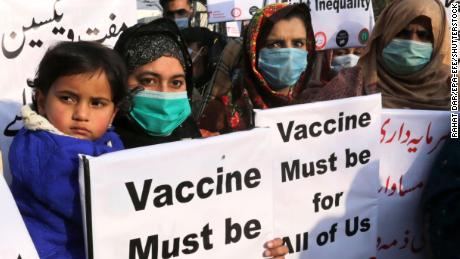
(340, 62)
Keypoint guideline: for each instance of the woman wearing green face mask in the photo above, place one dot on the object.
(160, 75)
(407, 60)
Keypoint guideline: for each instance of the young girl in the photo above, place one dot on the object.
(78, 88)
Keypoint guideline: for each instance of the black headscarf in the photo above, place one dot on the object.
(143, 43)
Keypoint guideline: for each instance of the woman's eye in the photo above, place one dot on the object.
(299, 44)
(274, 45)
(405, 34)
(147, 81)
(177, 83)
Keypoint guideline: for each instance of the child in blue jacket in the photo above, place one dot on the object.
(79, 87)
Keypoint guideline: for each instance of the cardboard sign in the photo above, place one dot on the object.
(15, 241)
(411, 139)
(206, 198)
(233, 29)
(325, 175)
(308, 174)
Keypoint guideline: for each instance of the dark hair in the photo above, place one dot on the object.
(203, 36)
(299, 10)
(287, 13)
(164, 3)
(213, 41)
(71, 58)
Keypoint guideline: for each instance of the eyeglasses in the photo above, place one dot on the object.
(422, 34)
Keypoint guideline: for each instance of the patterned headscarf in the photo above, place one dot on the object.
(147, 48)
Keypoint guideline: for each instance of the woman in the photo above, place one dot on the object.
(334, 60)
(277, 60)
(160, 75)
(406, 60)
(205, 48)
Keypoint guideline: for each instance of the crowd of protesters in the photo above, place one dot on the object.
(168, 80)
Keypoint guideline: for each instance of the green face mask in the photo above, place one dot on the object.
(405, 57)
(160, 113)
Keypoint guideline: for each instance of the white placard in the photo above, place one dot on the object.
(345, 27)
(233, 28)
(411, 139)
(208, 198)
(325, 169)
(27, 28)
(15, 241)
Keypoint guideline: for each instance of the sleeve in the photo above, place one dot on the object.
(441, 203)
(45, 177)
(348, 83)
(110, 142)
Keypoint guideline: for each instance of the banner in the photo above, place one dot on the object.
(308, 174)
(325, 174)
(349, 22)
(411, 139)
(148, 10)
(28, 28)
(207, 198)
(15, 241)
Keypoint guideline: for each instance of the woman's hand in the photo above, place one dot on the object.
(275, 249)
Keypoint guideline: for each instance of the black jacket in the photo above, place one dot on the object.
(133, 135)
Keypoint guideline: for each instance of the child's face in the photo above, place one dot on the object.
(79, 105)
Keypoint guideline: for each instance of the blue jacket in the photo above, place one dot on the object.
(44, 169)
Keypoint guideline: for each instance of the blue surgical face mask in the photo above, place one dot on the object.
(405, 57)
(345, 61)
(182, 23)
(282, 67)
(160, 113)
